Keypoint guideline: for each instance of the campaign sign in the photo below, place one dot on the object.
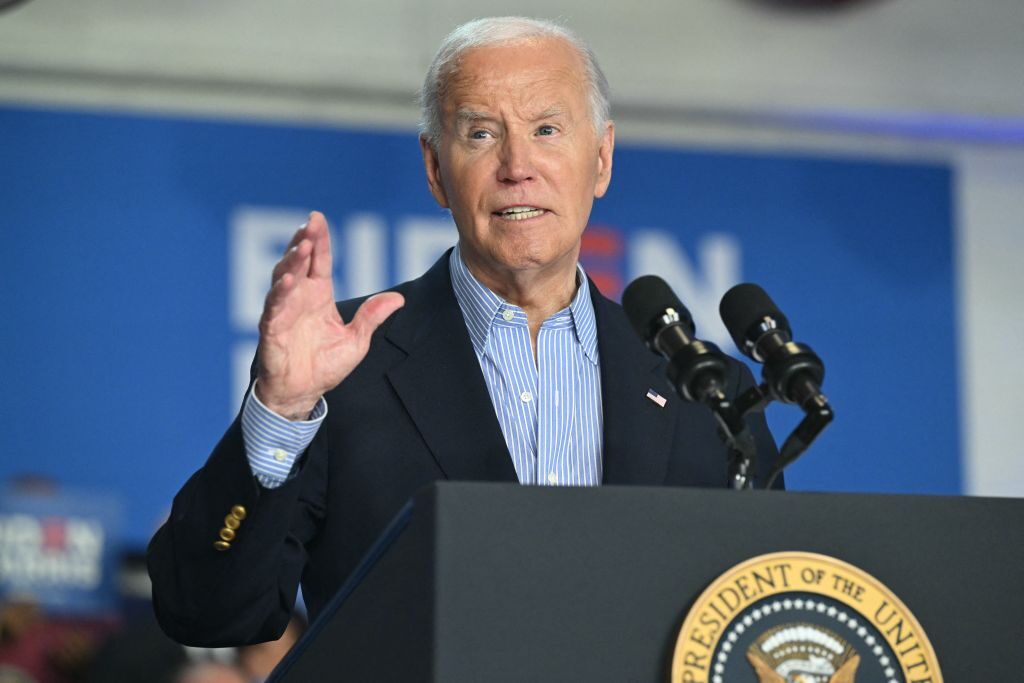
(137, 251)
(60, 550)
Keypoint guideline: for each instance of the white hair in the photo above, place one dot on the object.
(495, 31)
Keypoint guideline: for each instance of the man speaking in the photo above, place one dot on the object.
(501, 363)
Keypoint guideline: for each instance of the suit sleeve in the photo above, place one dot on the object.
(217, 588)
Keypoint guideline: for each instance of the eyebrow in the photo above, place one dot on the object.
(464, 116)
(550, 112)
(470, 116)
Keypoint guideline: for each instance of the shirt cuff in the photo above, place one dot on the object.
(272, 442)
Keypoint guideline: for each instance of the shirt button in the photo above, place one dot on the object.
(279, 455)
(526, 397)
(552, 478)
(508, 315)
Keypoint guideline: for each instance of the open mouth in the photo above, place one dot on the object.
(520, 213)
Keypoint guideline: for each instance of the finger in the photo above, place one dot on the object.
(295, 261)
(276, 311)
(299, 235)
(318, 232)
(374, 311)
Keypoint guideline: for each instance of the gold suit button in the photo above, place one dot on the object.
(232, 522)
(238, 511)
(222, 545)
(227, 534)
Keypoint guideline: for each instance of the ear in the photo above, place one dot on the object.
(604, 160)
(432, 166)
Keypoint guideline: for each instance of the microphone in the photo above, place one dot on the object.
(695, 368)
(792, 372)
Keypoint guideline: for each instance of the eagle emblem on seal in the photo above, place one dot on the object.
(802, 653)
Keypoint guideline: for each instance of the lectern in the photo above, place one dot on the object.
(494, 582)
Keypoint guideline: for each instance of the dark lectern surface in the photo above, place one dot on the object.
(492, 582)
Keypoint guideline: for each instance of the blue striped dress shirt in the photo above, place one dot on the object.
(272, 442)
(549, 410)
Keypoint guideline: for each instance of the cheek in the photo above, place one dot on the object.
(467, 184)
(582, 169)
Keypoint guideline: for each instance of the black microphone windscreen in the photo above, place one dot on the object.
(743, 308)
(645, 300)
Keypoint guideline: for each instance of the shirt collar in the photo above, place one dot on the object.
(480, 306)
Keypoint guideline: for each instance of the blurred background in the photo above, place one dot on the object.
(862, 160)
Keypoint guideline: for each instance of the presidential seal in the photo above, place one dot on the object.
(797, 617)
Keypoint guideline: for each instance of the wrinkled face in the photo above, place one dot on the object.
(519, 162)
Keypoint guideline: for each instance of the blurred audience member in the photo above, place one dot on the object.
(141, 653)
(257, 661)
(36, 648)
(211, 672)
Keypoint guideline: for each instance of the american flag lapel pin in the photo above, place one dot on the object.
(657, 398)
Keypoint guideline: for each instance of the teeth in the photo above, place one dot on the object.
(521, 213)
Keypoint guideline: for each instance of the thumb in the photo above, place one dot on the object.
(374, 311)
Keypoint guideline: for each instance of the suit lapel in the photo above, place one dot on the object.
(443, 390)
(637, 431)
(441, 386)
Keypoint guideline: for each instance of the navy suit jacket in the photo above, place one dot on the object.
(416, 410)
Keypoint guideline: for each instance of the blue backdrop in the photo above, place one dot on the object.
(135, 247)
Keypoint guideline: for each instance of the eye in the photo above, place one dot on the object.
(479, 134)
(547, 130)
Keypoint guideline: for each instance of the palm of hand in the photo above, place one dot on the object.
(306, 349)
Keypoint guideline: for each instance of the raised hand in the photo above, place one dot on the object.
(305, 348)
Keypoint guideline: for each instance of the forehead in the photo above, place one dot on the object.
(540, 72)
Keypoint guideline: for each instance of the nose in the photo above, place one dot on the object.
(515, 160)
